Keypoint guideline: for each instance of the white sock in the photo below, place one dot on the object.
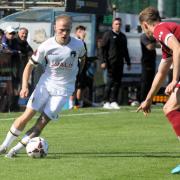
(11, 136)
(71, 104)
(21, 144)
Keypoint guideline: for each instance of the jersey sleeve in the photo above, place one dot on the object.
(162, 33)
(39, 55)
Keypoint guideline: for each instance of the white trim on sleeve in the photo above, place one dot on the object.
(166, 38)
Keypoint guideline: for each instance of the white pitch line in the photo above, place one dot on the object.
(7, 119)
(85, 114)
(63, 115)
(80, 114)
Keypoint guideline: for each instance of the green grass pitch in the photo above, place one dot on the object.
(98, 144)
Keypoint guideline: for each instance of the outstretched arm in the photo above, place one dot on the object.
(157, 82)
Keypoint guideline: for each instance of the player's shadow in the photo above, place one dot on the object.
(113, 155)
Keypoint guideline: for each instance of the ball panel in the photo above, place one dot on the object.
(37, 147)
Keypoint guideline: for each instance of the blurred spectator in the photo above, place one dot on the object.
(23, 45)
(87, 83)
(25, 52)
(148, 61)
(9, 45)
(80, 33)
(84, 83)
(8, 40)
(1, 36)
(112, 55)
(9, 52)
(75, 99)
(24, 48)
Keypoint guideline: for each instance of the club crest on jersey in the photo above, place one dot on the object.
(73, 53)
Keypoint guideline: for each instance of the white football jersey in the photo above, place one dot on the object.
(61, 65)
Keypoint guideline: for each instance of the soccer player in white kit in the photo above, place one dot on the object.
(60, 54)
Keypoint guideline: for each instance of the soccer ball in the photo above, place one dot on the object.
(37, 147)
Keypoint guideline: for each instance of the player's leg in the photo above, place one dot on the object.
(78, 94)
(172, 110)
(53, 106)
(107, 91)
(36, 103)
(116, 79)
(16, 129)
(35, 131)
(71, 101)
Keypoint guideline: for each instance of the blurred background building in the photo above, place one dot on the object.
(168, 8)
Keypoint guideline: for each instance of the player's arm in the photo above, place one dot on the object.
(25, 79)
(103, 55)
(174, 45)
(159, 78)
(82, 61)
(148, 41)
(157, 82)
(151, 46)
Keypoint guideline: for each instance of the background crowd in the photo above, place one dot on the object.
(15, 51)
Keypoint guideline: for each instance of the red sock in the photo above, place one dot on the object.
(174, 119)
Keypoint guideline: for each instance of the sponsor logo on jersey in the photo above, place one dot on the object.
(73, 53)
(62, 65)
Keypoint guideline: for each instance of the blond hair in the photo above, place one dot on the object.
(149, 15)
(64, 17)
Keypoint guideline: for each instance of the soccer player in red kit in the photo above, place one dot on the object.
(168, 34)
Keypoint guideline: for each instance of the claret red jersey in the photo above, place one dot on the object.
(162, 32)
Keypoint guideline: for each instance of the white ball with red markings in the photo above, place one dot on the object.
(37, 147)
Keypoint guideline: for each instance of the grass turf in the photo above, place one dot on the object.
(97, 144)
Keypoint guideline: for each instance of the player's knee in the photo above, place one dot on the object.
(169, 107)
(165, 109)
(42, 121)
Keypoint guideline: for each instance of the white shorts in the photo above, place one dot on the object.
(42, 101)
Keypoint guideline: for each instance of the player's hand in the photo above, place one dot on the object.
(145, 107)
(103, 65)
(24, 92)
(170, 88)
